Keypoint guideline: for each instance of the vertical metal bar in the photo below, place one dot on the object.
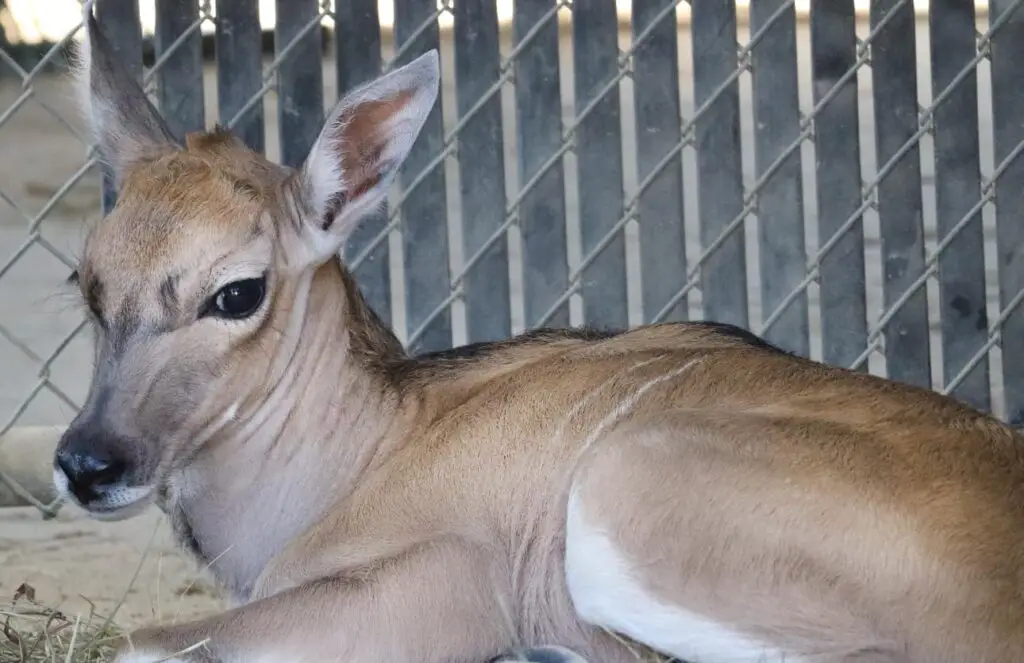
(358, 53)
(719, 160)
(539, 135)
(595, 27)
(838, 176)
(180, 77)
(300, 79)
(425, 218)
(123, 29)
(780, 220)
(1008, 134)
(660, 207)
(357, 40)
(239, 45)
(894, 66)
(957, 190)
(482, 171)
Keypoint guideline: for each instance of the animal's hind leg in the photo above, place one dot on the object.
(667, 542)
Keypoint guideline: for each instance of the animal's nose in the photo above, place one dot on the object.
(89, 474)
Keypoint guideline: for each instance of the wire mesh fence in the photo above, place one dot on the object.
(846, 184)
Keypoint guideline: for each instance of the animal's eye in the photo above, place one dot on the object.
(239, 299)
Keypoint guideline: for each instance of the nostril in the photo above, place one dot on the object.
(89, 473)
(102, 471)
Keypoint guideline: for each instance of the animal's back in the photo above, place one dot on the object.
(772, 493)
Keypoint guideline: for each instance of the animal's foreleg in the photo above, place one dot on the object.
(419, 608)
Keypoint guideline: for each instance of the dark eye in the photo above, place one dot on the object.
(239, 299)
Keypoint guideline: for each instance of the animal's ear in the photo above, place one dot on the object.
(123, 122)
(364, 141)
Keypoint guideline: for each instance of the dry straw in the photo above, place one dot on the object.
(35, 633)
(32, 632)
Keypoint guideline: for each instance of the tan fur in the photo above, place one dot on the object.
(364, 505)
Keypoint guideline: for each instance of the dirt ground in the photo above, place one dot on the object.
(75, 563)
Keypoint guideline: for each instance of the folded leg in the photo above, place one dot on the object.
(690, 534)
(418, 608)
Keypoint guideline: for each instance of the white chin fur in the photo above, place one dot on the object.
(121, 504)
(60, 483)
(126, 503)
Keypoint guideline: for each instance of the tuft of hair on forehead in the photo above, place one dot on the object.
(211, 141)
(250, 173)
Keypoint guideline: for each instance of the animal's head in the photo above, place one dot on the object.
(193, 273)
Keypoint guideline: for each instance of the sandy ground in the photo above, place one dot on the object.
(75, 563)
(71, 557)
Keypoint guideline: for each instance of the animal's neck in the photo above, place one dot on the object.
(323, 417)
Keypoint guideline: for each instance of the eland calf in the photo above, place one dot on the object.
(685, 489)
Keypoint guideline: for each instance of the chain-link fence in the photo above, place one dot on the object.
(845, 183)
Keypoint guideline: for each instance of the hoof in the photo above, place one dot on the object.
(546, 654)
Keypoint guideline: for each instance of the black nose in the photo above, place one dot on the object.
(89, 474)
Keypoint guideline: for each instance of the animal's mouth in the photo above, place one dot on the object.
(118, 502)
(134, 502)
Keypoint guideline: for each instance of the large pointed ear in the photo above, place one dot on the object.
(123, 122)
(358, 153)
